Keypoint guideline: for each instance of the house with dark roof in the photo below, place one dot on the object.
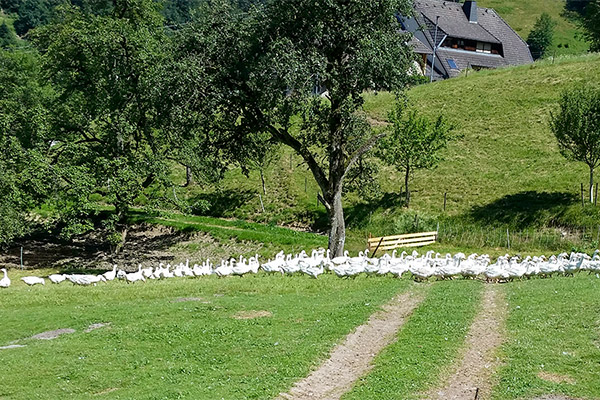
(451, 37)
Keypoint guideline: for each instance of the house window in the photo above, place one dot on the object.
(484, 47)
(451, 63)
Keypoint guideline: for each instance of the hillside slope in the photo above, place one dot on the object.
(506, 169)
(521, 15)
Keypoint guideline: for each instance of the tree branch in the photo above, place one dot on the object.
(363, 149)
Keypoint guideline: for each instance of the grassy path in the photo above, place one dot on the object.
(352, 359)
(430, 340)
(472, 378)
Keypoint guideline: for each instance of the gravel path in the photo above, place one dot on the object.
(473, 375)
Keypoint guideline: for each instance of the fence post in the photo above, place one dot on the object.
(21, 257)
(507, 239)
(445, 193)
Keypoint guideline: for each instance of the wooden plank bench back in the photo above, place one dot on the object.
(408, 240)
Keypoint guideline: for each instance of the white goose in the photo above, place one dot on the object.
(112, 274)
(4, 282)
(135, 276)
(57, 278)
(33, 280)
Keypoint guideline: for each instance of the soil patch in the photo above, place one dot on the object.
(105, 391)
(184, 299)
(49, 335)
(479, 361)
(252, 314)
(98, 325)
(12, 346)
(555, 378)
(352, 358)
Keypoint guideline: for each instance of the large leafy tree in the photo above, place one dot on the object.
(266, 67)
(26, 179)
(106, 70)
(415, 143)
(576, 126)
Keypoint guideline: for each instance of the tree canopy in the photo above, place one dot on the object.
(540, 37)
(267, 66)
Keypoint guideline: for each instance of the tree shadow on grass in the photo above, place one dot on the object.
(524, 210)
(219, 203)
(358, 215)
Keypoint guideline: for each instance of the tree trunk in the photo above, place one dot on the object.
(189, 178)
(591, 184)
(262, 180)
(407, 191)
(337, 230)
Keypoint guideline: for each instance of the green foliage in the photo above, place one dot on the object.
(106, 125)
(414, 143)
(540, 37)
(576, 127)
(26, 178)
(591, 24)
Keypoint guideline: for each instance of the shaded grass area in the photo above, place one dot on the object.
(156, 348)
(427, 344)
(553, 328)
(273, 237)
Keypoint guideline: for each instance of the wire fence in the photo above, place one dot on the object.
(552, 239)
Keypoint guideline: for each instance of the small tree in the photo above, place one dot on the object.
(414, 143)
(7, 36)
(577, 127)
(540, 37)
(591, 24)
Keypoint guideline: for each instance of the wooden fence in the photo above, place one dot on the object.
(383, 243)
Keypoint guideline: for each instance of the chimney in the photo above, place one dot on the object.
(470, 9)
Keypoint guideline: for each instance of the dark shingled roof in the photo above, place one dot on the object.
(490, 28)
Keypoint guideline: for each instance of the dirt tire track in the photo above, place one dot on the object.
(479, 359)
(352, 359)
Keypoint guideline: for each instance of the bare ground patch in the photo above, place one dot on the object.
(95, 326)
(473, 375)
(352, 358)
(555, 378)
(49, 335)
(12, 346)
(186, 299)
(146, 243)
(251, 314)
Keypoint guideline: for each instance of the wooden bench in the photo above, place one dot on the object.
(383, 243)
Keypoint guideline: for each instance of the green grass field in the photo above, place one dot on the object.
(156, 348)
(553, 328)
(159, 348)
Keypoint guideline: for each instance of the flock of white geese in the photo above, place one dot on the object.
(421, 267)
